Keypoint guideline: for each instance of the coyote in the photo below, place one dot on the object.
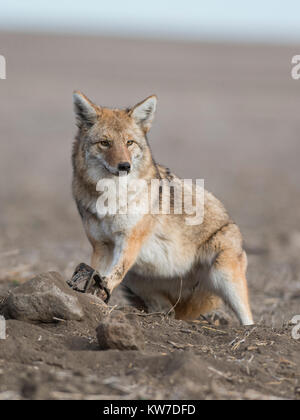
(170, 266)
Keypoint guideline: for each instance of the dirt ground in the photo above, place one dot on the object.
(228, 114)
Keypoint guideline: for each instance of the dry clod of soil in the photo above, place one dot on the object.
(117, 332)
(45, 298)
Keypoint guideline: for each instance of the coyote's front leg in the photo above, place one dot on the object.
(126, 250)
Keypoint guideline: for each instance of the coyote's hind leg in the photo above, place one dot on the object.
(228, 280)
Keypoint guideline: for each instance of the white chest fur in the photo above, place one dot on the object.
(162, 257)
(118, 224)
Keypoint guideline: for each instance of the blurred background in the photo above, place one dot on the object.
(228, 112)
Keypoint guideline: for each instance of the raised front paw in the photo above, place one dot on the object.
(87, 280)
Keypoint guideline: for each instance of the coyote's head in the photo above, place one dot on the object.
(113, 141)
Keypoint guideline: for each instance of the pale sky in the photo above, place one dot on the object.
(259, 20)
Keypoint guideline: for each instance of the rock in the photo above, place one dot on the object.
(116, 332)
(43, 299)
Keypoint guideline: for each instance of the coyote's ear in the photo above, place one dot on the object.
(143, 113)
(85, 110)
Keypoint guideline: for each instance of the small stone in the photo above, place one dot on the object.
(115, 332)
(43, 299)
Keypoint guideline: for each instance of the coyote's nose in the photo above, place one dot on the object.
(124, 166)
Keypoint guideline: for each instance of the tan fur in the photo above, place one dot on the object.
(168, 264)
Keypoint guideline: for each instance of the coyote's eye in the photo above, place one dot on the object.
(105, 143)
(130, 142)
